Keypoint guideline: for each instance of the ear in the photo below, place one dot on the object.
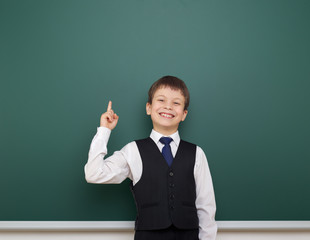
(184, 115)
(148, 108)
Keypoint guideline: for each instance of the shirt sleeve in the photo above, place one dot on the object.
(113, 169)
(205, 200)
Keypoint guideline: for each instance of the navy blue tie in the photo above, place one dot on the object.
(167, 150)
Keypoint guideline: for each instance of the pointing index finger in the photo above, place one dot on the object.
(109, 106)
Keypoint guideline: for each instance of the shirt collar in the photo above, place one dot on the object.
(156, 136)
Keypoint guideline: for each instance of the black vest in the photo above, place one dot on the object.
(166, 195)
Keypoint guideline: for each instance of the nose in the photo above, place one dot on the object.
(168, 106)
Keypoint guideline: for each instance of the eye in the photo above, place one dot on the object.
(160, 100)
(177, 103)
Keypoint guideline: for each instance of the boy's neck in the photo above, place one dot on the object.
(165, 132)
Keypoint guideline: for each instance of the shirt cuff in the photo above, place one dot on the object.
(104, 133)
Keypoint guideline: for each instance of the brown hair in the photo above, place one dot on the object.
(172, 82)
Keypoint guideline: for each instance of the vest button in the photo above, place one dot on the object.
(171, 185)
(171, 174)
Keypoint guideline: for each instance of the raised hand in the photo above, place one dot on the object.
(109, 119)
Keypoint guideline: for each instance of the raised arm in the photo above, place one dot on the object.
(113, 169)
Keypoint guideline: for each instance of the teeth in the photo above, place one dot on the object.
(166, 115)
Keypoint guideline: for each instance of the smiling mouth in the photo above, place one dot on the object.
(167, 115)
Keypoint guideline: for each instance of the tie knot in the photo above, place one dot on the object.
(165, 140)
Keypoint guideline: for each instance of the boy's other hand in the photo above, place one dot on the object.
(109, 119)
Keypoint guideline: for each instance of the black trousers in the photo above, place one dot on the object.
(171, 233)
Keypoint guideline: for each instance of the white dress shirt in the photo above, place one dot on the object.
(127, 163)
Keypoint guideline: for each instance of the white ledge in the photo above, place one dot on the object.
(263, 225)
(129, 225)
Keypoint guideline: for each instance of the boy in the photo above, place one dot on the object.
(171, 181)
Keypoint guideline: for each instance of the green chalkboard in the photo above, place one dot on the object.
(246, 64)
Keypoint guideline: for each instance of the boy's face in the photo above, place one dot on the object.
(167, 110)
